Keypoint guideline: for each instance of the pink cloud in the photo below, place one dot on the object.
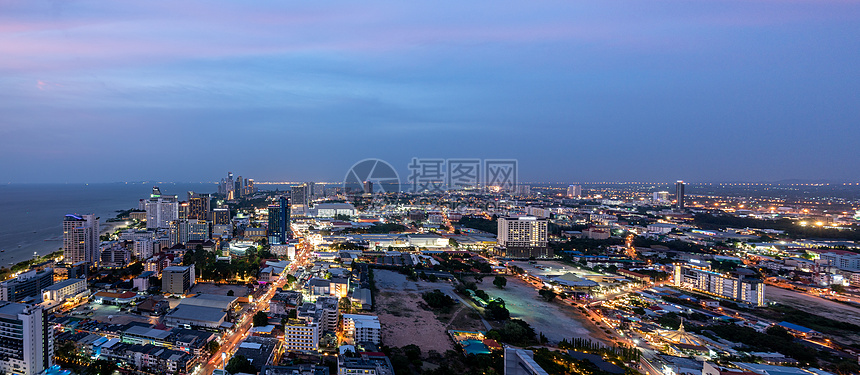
(88, 35)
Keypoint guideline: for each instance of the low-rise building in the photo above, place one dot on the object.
(365, 364)
(284, 301)
(303, 369)
(27, 284)
(301, 336)
(260, 351)
(736, 287)
(115, 298)
(361, 328)
(177, 280)
(521, 362)
(70, 289)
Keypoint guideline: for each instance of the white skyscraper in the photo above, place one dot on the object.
(300, 199)
(26, 340)
(574, 191)
(660, 197)
(161, 210)
(526, 231)
(81, 238)
(523, 236)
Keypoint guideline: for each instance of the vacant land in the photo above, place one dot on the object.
(554, 319)
(820, 307)
(405, 319)
(402, 318)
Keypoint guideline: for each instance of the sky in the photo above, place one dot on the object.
(575, 91)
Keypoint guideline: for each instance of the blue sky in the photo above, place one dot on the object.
(298, 90)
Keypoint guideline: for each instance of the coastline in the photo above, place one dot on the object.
(33, 213)
(108, 228)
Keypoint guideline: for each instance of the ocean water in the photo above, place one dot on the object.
(31, 215)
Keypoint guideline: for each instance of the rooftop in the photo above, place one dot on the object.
(210, 300)
(197, 313)
(64, 283)
(12, 309)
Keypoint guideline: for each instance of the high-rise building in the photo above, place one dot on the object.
(161, 210)
(184, 211)
(198, 206)
(524, 236)
(27, 284)
(227, 187)
(144, 248)
(524, 190)
(299, 199)
(240, 187)
(249, 187)
(114, 255)
(182, 231)
(221, 216)
(311, 190)
(574, 191)
(177, 279)
(279, 221)
(368, 187)
(81, 238)
(26, 340)
(679, 194)
(727, 285)
(230, 186)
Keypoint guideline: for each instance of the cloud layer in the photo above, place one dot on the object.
(625, 90)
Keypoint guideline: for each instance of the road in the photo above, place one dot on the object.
(245, 322)
(472, 306)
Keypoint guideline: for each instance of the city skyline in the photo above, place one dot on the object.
(617, 91)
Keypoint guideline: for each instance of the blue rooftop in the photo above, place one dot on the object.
(795, 327)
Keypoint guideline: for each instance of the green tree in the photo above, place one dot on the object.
(101, 367)
(239, 364)
(496, 310)
(547, 294)
(517, 332)
(261, 319)
(188, 258)
(212, 347)
(482, 295)
(412, 351)
(500, 282)
(838, 288)
(68, 354)
(437, 299)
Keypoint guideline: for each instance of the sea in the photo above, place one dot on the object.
(31, 215)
